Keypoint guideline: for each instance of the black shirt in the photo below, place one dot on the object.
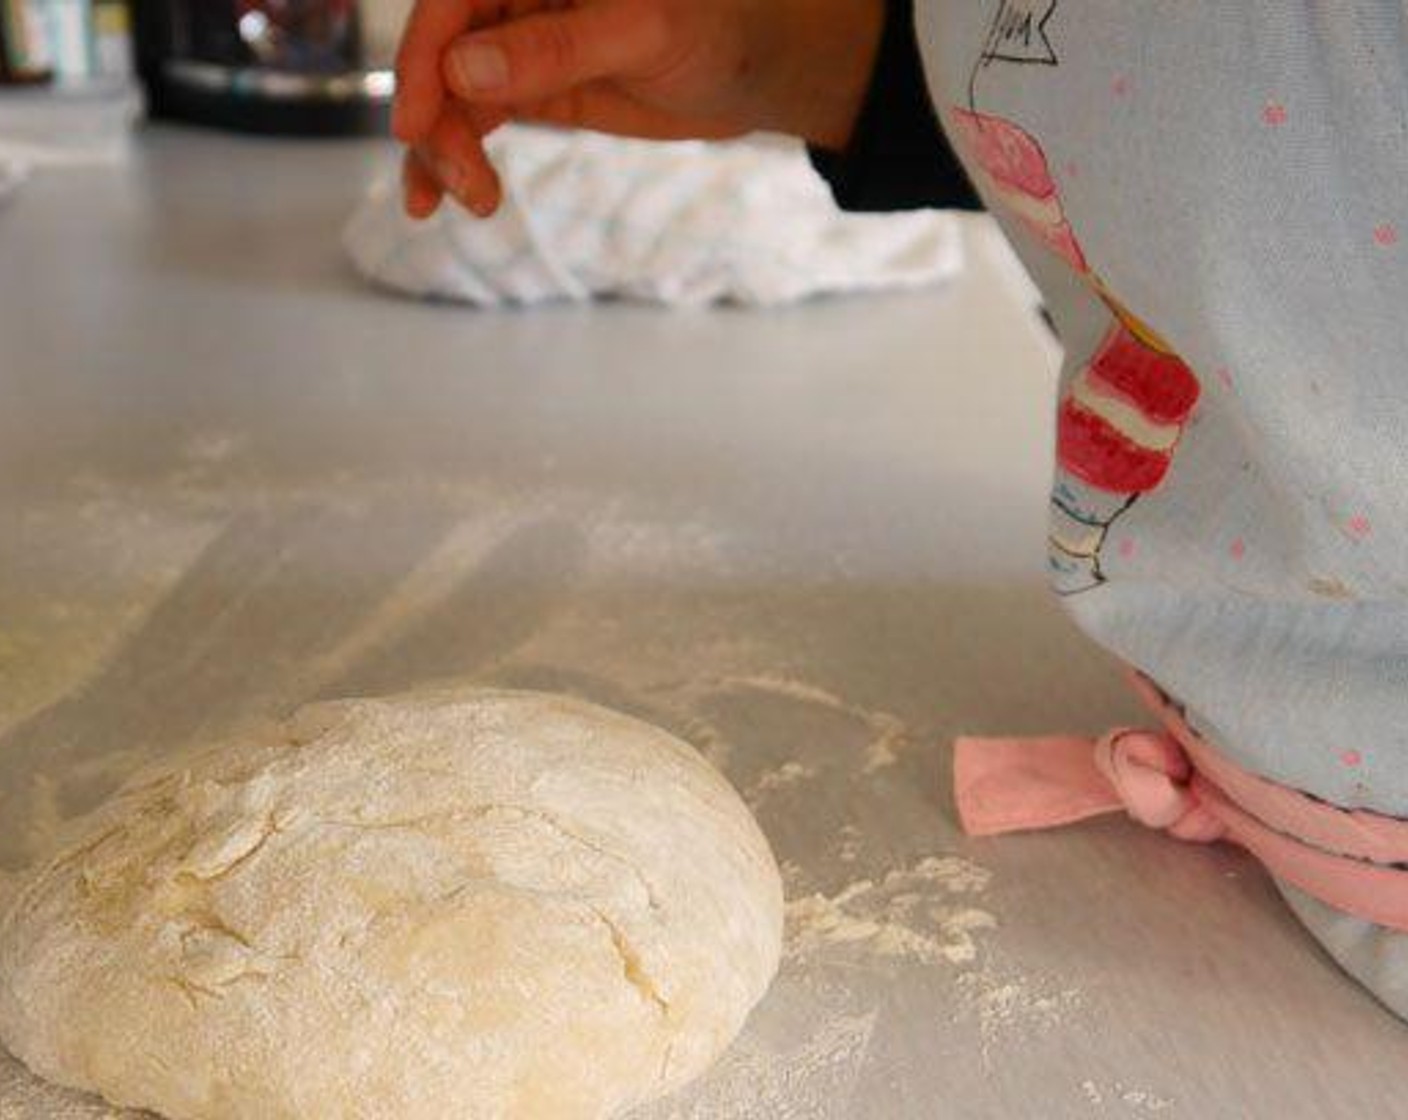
(898, 158)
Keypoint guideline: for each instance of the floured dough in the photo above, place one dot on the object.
(484, 904)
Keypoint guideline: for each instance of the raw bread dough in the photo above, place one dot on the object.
(484, 904)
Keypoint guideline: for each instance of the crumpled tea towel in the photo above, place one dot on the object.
(586, 216)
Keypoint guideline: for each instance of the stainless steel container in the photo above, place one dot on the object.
(291, 66)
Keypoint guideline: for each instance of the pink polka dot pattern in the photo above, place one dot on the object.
(1386, 234)
(1274, 114)
(1351, 757)
(1237, 549)
(1358, 527)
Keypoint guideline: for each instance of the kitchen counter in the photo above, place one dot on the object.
(232, 479)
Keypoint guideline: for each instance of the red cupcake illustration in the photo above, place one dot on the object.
(1122, 417)
(1119, 424)
(1017, 171)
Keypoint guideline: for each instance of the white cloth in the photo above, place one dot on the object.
(587, 216)
(88, 125)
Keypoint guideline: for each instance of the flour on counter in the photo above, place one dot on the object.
(1133, 1099)
(212, 446)
(1015, 1005)
(890, 735)
(848, 851)
(792, 689)
(788, 774)
(909, 913)
(707, 740)
(812, 1081)
(793, 876)
(883, 750)
(1143, 1099)
(636, 545)
(954, 873)
(925, 913)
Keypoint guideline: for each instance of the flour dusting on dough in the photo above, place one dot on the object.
(222, 911)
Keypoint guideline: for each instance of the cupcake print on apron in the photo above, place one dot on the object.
(1122, 415)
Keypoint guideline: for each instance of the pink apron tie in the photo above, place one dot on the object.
(1174, 781)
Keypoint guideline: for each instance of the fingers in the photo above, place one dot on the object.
(421, 191)
(432, 25)
(452, 156)
(543, 55)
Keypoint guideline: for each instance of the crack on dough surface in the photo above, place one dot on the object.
(227, 854)
(631, 965)
(206, 921)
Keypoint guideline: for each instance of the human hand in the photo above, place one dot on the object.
(658, 69)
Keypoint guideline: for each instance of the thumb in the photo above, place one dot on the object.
(546, 54)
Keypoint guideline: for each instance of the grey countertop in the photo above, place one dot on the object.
(809, 541)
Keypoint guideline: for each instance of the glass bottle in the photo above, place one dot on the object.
(24, 57)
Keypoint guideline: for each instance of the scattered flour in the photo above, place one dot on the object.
(909, 913)
(788, 774)
(204, 455)
(954, 873)
(1012, 1004)
(890, 735)
(793, 689)
(1142, 1098)
(1133, 1099)
(811, 1081)
(649, 546)
(708, 741)
(793, 875)
(848, 851)
(924, 913)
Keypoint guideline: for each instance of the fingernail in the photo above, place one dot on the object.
(479, 67)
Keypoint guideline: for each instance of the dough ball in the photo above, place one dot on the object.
(483, 904)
